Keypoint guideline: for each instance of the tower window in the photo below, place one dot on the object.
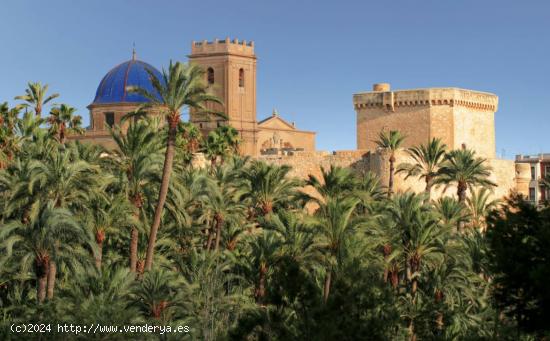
(241, 78)
(210, 75)
(110, 118)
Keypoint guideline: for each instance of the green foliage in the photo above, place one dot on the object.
(519, 245)
(242, 253)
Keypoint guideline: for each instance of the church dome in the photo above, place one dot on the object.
(114, 86)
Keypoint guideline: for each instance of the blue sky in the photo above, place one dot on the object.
(312, 55)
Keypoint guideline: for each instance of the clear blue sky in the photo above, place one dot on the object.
(312, 55)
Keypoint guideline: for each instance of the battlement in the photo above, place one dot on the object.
(222, 46)
(381, 96)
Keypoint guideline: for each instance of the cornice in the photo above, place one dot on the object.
(454, 97)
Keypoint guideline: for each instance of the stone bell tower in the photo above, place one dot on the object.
(230, 71)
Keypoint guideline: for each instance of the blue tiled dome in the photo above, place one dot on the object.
(114, 86)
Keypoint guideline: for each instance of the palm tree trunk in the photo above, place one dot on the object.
(392, 170)
(260, 290)
(411, 331)
(42, 265)
(326, 289)
(210, 239)
(428, 190)
(134, 235)
(166, 173)
(461, 193)
(219, 223)
(51, 279)
(99, 256)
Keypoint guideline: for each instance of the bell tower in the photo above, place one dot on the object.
(230, 71)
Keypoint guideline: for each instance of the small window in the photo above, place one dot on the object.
(546, 170)
(533, 173)
(210, 75)
(532, 194)
(241, 78)
(200, 125)
(218, 124)
(110, 118)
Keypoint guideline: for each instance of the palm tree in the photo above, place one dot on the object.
(221, 207)
(138, 157)
(231, 137)
(156, 295)
(451, 212)
(420, 235)
(98, 296)
(191, 136)
(336, 182)
(269, 186)
(182, 86)
(464, 169)
(390, 142)
(258, 264)
(9, 140)
(480, 204)
(35, 97)
(63, 122)
(295, 233)
(108, 217)
(215, 147)
(336, 224)
(53, 233)
(428, 159)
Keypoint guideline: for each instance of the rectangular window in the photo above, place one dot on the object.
(533, 173)
(532, 194)
(546, 170)
(110, 119)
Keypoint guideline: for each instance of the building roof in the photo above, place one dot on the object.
(113, 88)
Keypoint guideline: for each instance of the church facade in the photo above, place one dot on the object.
(230, 74)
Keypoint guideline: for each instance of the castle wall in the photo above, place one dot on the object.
(476, 129)
(309, 163)
(456, 116)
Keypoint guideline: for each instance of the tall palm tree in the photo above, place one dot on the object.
(390, 142)
(138, 157)
(63, 122)
(464, 169)
(221, 207)
(181, 86)
(269, 186)
(108, 217)
(35, 97)
(428, 159)
(259, 262)
(336, 224)
(53, 233)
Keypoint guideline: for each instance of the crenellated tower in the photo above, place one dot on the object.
(230, 67)
(457, 116)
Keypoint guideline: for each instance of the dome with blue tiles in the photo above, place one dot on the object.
(114, 86)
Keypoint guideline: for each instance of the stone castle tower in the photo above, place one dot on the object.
(231, 75)
(457, 116)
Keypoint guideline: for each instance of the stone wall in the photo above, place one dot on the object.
(456, 116)
(309, 163)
